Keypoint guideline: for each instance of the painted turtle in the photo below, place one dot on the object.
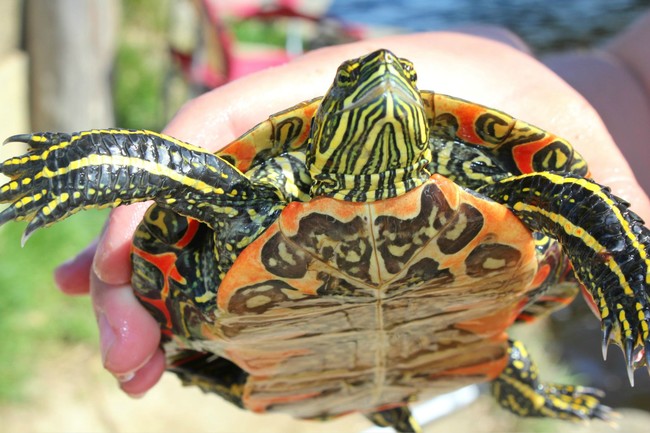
(358, 251)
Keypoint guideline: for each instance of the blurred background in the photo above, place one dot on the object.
(68, 65)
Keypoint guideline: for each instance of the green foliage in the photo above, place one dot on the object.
(138, 89)
(141, 65)
(259, 32)
(145, 14)
(35, 317)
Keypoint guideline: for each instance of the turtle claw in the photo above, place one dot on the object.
(628, 352)
(607, 333)
(594, 392)
(636, 349)
(39, 140)
(605, 413)
(18, 138)
(630, 375)
(27, 234)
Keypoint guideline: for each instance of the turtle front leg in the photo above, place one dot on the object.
(607, 243)
(519, 390)
(62, 174)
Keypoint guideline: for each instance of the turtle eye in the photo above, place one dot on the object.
(409, 70)
(346, 75)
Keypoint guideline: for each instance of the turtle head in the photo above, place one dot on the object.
(369, 137)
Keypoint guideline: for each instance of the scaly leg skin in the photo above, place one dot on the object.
(607, 243)
(399, 418)
(62, 174)
(519, 390)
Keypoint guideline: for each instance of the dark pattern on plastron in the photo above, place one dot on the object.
(407, 235)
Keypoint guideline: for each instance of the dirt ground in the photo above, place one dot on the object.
(72, 393)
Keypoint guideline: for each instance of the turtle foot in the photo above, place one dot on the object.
(519, 390)
(574, 403)
(636, 353)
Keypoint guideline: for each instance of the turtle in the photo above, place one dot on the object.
(358, 251)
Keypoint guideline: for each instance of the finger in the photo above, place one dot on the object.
(112, 263)
(609, 80)
(129, 336)
(146, 377)
(494, 33)
(73, 277)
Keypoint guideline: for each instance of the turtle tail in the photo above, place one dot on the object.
(62, 174)
(607, 243)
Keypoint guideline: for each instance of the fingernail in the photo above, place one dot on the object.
(125, 377)
(106, 336)
(99, 256)
(137, 396)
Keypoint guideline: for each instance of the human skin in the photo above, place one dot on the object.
(615, 79)
(496, 72)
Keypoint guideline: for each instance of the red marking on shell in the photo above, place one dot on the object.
(166, 264)
(192, 227)
(308, 112)
(243, 150)
(523, 154)
(159, 305)
(310, 109)
(466, 116)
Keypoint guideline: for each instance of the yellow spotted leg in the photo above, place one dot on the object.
(64, 173)
(607, 243)
(519, 390)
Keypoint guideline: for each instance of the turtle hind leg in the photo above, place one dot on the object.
(399, 418)
(519, 390)
(211, 373)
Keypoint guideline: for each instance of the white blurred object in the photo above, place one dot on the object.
(428, 411)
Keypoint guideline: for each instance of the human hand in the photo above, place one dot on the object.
(468, 67)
